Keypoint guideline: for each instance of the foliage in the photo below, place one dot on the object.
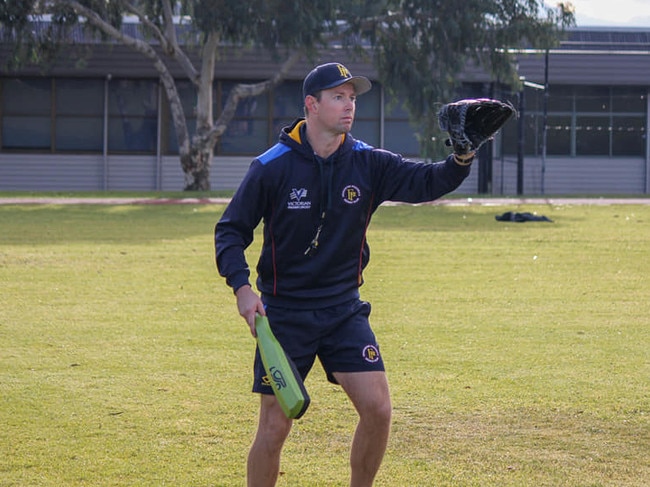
(206, 26)
(516, 352)
(419, 47)
(422, 46)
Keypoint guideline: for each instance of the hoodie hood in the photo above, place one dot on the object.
(294, 136)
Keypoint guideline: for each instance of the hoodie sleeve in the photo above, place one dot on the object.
(399, 179)
(234, 231)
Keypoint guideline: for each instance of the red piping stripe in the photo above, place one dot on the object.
(363, 241)
(275, 270)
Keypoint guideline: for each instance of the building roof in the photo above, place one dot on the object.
(587, 55)
(607, 38)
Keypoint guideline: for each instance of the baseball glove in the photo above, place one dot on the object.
(470, 123)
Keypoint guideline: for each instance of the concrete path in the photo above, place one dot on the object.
(469, 201)
(64, 200)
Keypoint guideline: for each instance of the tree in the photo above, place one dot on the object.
(417, 46)
(422, 46)
(296, 32)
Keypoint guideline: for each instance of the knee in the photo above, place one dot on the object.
(276, 431)
(378, 412)
(385, 412)
(274, 426)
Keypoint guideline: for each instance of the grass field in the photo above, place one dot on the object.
(518, 353)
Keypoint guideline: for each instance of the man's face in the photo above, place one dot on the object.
(335, 110)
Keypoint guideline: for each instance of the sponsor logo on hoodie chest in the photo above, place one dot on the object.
(298, 199)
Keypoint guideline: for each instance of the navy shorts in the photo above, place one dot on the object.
(340, 336)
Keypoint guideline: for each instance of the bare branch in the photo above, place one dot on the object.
(150, 25)
(242, 91)
(94, 19)
(177, 53)
(168, 39)
(169, 23)
(144, 48)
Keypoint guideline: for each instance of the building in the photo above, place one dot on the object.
(105, 125)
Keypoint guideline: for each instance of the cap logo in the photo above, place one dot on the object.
(345, 73)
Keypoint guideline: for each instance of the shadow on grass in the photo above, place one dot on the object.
(433, 218)
(48, 224)
(133, 224)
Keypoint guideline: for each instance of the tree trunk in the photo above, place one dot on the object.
(196, 166)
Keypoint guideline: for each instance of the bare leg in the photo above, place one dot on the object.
(370, 395)
(264, 455)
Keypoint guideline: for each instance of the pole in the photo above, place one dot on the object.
(520, 142)
(545, 122)
(105, 134)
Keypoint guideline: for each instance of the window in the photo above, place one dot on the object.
(592, 99)
(560, 99)
(366, 119)
(585, 121)
(558, 135)
(248, 131)
(532, 135)
(133, 116)
(26, 110)
(399, 135)
(401, 138)
(287, 106)
(79, 120)
(629, 100)
(187, 94)
(592, 136)
(628, 135)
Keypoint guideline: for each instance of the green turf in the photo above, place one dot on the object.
(518, 354)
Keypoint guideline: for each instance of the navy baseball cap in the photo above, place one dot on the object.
(330, 75)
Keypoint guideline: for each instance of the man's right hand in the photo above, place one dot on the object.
(249, 304)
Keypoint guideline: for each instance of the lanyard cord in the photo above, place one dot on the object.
(325, 200)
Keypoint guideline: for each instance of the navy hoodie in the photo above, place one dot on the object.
(294, 192)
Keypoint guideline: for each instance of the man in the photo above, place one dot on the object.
(316, 190)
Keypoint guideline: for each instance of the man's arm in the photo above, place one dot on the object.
(408, 181)
(233, 234)
(248, 304)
